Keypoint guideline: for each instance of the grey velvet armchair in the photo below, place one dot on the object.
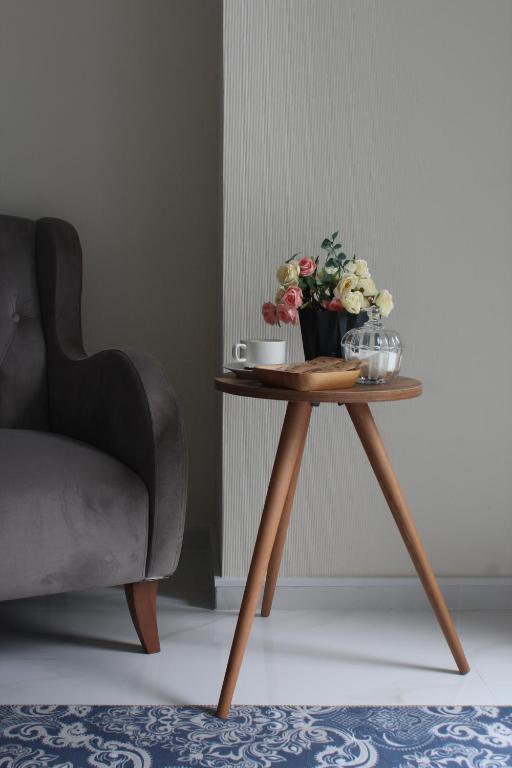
(92, 454)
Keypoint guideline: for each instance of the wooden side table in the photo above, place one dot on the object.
(271, 537)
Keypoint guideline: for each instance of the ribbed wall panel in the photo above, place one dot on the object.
(392, 121)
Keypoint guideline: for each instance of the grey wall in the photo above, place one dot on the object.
(110, 114)
(392, 120)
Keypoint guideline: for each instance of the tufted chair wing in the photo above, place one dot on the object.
(118, 400)
(23, 389)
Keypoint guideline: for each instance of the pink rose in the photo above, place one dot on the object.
(306, 266)
(334, 305)
(287, 314)
(269, 312)
(292, 298)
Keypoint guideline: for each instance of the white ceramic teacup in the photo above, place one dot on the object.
(253, 352)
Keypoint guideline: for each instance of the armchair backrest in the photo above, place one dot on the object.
(23, 388)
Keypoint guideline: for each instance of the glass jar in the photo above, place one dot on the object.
(379, 348)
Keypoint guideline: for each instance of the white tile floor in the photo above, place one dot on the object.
(81, 648)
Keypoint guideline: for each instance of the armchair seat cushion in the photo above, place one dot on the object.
(71, 516)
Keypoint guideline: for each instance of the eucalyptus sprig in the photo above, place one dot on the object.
(336, 259)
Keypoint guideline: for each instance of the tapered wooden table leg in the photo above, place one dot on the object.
(290, 445)
(280, 540)
(372, 443)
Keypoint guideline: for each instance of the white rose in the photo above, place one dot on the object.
(331, 269)
(384, 301)
(347, 283)
(288, 274)
(361, 268)
(350, 266)
(367, 286)
(353, 302)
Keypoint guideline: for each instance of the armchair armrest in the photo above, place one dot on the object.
(117, 400)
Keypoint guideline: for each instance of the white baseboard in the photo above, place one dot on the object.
(467, 593)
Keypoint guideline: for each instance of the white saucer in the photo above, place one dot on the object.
(237, 367)
(240, 370)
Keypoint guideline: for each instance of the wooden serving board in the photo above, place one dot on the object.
(322, 373)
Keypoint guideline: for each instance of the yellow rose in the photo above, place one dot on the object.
(367, 286)
(288, 274)
(353, 302)
(361, 268)
(347, 283)
(384, 301)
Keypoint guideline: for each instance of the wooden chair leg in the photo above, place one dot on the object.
(292, 437)
(280, 540)
(372, 443)
(141, 598)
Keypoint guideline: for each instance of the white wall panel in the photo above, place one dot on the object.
(390, 119)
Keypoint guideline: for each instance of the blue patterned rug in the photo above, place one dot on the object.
(255, 737)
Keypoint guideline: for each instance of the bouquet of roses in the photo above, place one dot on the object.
(342, 284)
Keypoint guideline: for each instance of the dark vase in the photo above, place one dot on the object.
(322, 331)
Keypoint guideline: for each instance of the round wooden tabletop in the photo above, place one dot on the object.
(401, 388)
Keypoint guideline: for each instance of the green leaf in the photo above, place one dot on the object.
(334, 236)
(335, 259)
(326, 244)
